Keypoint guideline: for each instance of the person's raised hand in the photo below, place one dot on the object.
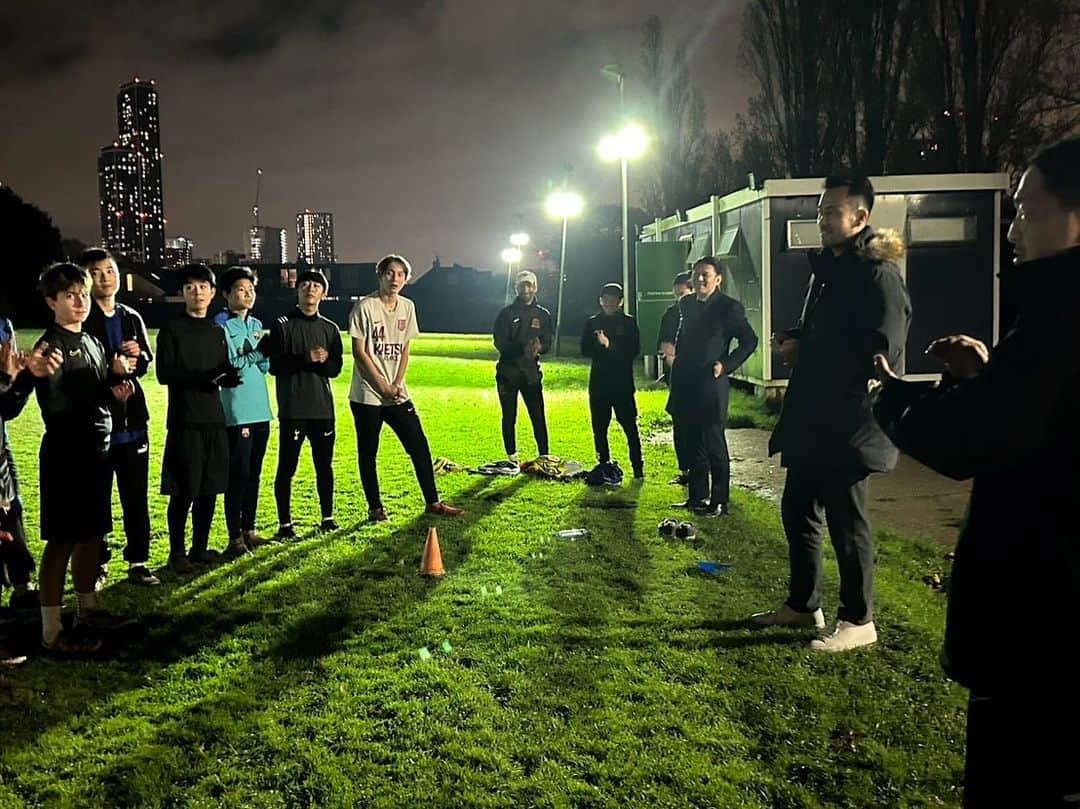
(786, 347)
(963, 356)
(44, 360)
(130, 348)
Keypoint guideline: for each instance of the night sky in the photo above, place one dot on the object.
(423, 126)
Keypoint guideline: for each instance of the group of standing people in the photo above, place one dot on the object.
(87, 371)
(1006, 418)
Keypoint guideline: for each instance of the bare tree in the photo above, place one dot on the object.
(680, 161)
(1000, 78)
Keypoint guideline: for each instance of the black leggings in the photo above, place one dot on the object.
(321, 433)
(405, 423)
(247, 448)
(202, 515)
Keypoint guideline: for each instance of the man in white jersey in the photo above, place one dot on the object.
(381, 326)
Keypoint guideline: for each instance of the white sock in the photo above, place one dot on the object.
(133, 565)
(85, 603)
(50, 624)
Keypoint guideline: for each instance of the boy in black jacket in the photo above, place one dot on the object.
(72, 378)
(121, 330)
(193, 361)
(612, 341)
(305, 354)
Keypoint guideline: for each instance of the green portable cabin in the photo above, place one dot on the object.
(949, 222)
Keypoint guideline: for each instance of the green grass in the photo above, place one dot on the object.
(603, 672)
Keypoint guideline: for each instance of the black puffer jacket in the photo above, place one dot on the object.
(857, 306)
(1014, 428)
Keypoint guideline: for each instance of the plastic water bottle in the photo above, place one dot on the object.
(572, 533)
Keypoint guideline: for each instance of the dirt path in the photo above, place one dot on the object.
(912, 500)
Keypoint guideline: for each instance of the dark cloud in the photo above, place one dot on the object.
(51, 35)
(425, 125)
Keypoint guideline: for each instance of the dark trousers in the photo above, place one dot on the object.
(809, 493)
(320, 433)
(1023, 751)
(704, 449)
(533, 395)
(202, 515)
(405, 423)
(247, 448)
(16, 562)
(130, 464)
(601, 405)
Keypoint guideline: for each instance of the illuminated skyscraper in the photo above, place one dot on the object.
(129, 178)
(268, 245)
(314, 237)
(178, 252)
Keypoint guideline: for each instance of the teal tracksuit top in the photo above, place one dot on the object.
(249, 402)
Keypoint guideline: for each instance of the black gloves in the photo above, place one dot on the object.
(225, 376)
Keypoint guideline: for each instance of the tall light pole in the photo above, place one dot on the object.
(562, 204)
(512, 256)
(617, 74)
(628, 143)
(518, 240)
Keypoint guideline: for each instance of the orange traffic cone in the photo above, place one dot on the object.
(431, 562)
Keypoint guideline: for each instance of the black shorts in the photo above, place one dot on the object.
(196, 461)
(76, 491)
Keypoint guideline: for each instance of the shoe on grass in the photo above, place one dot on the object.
(685, 530)
(8, 660)
(719, 510)
(845, 635)
(141, 575)
(236, 548)
(667, 527)
(691, 505)
(443, 509)
(24, 601)
(205, 557)
(253, 540)
(377, 514)
(786, 616)
(328, 524)
(180, 565)
(285, 531)
(102, 577)
(72, 643)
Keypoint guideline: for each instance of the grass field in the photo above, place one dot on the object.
(601, 672)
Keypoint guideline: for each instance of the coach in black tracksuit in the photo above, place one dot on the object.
(523, 331)
(305, 354)
(698, 402)
(611, 340)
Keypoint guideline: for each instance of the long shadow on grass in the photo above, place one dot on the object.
(285, 613)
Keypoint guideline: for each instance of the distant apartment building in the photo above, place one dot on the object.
(315, 237)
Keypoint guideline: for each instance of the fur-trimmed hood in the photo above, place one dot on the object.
(880, 245)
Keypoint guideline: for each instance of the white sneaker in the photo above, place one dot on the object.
(786, 616)
(845, 635)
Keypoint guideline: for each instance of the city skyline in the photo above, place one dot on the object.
(130, 193)
(426, 128)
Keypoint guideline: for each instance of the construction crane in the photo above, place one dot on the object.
(258, 190)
